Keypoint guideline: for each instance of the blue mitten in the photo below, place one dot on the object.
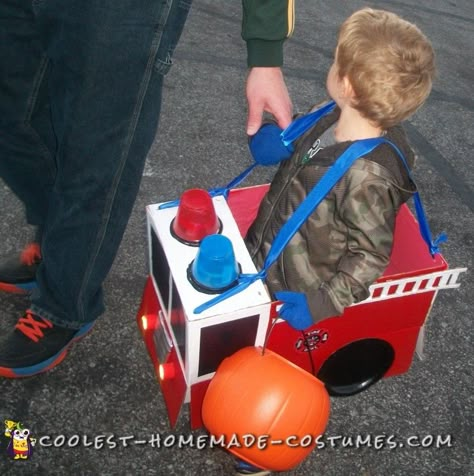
(295, 309)
(267, 147)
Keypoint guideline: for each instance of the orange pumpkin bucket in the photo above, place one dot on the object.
(265, 409)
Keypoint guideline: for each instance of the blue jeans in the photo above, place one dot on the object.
(80, 95)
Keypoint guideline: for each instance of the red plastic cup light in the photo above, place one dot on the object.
(195, 218)
(215, 268)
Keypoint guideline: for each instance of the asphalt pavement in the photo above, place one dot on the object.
(106, 387)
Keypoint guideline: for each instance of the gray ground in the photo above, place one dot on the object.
(107, 386)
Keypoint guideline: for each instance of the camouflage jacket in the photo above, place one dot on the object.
(345, 245)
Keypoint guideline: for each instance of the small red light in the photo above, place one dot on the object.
(148, 322)
(166, 371)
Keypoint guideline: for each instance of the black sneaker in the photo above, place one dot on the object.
(243, 468)
(18, 272)
(35, 346)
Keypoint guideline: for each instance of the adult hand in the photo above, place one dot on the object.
(266, 91)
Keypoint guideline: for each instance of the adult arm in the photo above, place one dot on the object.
(266, 24)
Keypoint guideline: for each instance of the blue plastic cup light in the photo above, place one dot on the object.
(215, 268)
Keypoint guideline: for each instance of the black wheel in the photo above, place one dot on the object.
(356, 366)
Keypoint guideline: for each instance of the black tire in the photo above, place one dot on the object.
(356, 366)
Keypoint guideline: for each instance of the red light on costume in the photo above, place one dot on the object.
(148, 322)
(196, 217)
(166, 371)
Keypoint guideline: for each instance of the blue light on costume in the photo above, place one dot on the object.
(215, 267)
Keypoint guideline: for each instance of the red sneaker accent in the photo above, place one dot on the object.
(32, 327)
(9, 373)
(31, 254)
(36, 328)
(13, 289)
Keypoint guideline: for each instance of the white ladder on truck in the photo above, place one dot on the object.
(447, 279)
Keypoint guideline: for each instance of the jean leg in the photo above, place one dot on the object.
(27, 141)
(107, 64)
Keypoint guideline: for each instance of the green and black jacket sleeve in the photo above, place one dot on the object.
(266, 24)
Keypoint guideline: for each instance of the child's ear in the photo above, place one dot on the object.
(347, 89)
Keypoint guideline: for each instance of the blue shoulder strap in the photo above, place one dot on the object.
(309, 204)
(300, 125)
(306, 207)
(433, 245)
(317, 194)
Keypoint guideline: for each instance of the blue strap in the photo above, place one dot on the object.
(299, 216)
(214, 192)
(317, 194)
(300, 125)
(433, 245)
(309, 204)
(232, 184)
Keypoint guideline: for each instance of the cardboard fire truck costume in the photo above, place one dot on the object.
(372, 339)
(196, 251)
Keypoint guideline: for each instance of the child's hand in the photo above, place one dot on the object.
(295, 309)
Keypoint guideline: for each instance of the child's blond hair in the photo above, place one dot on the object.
(389, 63)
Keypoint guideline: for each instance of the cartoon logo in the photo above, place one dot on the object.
(21, 443)
(312, 340)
